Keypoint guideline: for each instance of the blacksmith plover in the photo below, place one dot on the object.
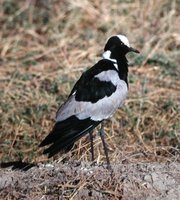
(99, 92)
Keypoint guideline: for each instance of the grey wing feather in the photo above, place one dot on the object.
(98, 111)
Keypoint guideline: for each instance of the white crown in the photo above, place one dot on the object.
(124, 39)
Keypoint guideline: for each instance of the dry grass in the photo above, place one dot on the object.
(45, 46)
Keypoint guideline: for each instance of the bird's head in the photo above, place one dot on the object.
(118, 46)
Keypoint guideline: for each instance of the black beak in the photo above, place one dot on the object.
(133, 50)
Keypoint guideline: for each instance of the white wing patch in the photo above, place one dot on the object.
(102, 109)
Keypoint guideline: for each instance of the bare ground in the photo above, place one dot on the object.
(45, 46)
(77, 180)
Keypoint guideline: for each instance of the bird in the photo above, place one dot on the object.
(95, 97)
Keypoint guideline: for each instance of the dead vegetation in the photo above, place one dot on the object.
(46, 45)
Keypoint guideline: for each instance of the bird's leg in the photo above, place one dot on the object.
(92, 147)
(102, 133)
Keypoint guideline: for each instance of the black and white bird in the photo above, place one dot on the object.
(99, 92)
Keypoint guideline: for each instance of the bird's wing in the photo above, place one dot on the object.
(95, 97)
(65, 133)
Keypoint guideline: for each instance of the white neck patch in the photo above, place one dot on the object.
(107, 55)
(124, 39)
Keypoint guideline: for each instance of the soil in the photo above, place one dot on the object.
(75, 180)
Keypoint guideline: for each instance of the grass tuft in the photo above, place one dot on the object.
(46, 45)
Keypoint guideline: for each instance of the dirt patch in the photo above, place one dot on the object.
(45, 47)
(83, 181)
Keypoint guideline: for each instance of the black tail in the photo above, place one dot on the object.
(17, 165)
(65, 133)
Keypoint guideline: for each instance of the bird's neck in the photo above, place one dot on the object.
(123, 68)
(120, 62)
